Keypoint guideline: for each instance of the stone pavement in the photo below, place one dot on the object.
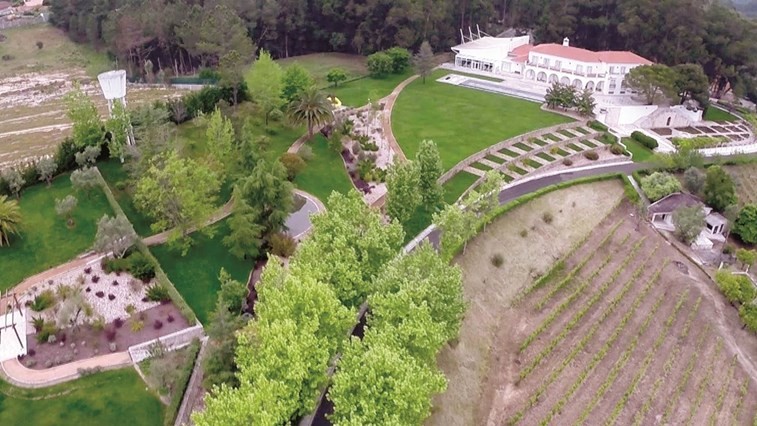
(18, 375)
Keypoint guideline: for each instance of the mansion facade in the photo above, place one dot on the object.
(601, 72)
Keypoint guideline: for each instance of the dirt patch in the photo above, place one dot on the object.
(489, 290)
(639, 334)
(87, 342)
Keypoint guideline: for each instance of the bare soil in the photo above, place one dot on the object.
(89, 342)
(673, 352)
(488, 290)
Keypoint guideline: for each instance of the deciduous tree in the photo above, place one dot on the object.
(336, 76)
(689, 222)
(14, 179)
(693, 180)
(719, 190)
(746, 257)
(265, 83)
(117, 126)
(65, 208)
(746, 224)
(231, 68)
(424, 60)
(178, 194)
(269, 193)
(88, 156)
(294, 81)
(457, 225)
(430, 169)
(85, 180)
(659, 184)
(81, 110)
(402, 184)
(220, 137)
(114, 235)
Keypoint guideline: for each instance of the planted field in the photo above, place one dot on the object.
(745, 176)
(624, 330)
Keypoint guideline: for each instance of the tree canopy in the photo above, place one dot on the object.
(746, 224)
(719, 189)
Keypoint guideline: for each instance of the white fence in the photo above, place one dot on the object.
(170, 342)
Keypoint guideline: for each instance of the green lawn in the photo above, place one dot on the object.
(640, 152)
(461, 121)
(196, 274)
(324, 173)
(110, 398)
(552, 137)
(45, 239)
(537, 141)
(495, 159)
(455, 187)
(356, 93)
(716, 114)
(532, 163)
(545, 156)
(522, 146)
(509, 152)
(319, 65)
(113, 172)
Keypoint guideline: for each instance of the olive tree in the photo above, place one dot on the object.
(114, 235)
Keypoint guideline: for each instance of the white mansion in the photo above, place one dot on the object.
(602, 72)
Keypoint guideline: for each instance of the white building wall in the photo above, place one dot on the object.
(9, 345)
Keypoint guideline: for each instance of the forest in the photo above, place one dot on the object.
(183, 35)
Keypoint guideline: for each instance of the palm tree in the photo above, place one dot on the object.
(311, 108)
(10, 219)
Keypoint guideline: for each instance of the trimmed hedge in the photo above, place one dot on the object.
(596, 125)
(182, 383)
(643, 139)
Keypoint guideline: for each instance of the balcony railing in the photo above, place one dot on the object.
(568, 71)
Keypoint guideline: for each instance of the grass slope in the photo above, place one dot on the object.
(319, 64)
(196, 274)
(324, 173)
(356, 93)
(639, 151)
(719, 115)
(461, 121)
(45, 240)
(110, 398)
(58, 52)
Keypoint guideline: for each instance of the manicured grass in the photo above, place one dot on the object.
(481, 166)
(545, 156)
(113, 172)
(575, 147)
(110, 398)
(581, 130)
(57, 53)
(537, 141)
(640, 152)
(532, 163)
(319, 64)
(45, 240)
(455, 187)
(552, 137)
(196, 274)
(419, 221)
(562, 152)
(716, 114)
(567, 133)
(356, 93)
(516, 169)
(509, 152)
(522, 146)
(461, 121)
(507, 178)
(589, 143)
(324, 173)
(495, 159)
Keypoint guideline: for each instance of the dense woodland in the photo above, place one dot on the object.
(184, 34)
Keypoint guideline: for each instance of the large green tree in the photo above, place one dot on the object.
(87, 128)
(457, 225)
(430, 169)
(178, 194)
(659, 184)
(423, 61)
(220, 140)
(268, 191)
(403, 196)
(265, 83)
(246, 237)
(689, 222)
(719, 189)
(231, 69)
(296, 79)
(746, 224)
(655, 82)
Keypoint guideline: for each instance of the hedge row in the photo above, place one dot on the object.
(185, 373)
(645, 140)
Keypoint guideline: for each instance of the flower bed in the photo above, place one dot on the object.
(699, 142)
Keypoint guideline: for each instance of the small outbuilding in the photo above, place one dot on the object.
(660, 213)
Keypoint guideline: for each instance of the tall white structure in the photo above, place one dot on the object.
(603, 72)
(113, 85)
(12, 328)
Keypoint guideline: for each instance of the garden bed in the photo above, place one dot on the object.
(86, 342)
(663, 131)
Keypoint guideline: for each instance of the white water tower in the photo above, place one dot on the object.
(113, 85)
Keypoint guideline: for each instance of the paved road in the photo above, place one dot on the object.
(520, 189)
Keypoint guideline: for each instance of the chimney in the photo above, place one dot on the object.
(566, 41)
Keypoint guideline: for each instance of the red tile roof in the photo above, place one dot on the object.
(522, 50)
(583, 55)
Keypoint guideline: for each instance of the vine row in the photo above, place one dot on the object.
(721, 395)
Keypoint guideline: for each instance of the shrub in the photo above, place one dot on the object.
(38, 323)
(596, 125)
(141, 267)
(293, 163)
(306, 153)
(158, 293)
(43, 301)
(400, 59)
(616, 149)
(88, 270)
(380, 64)
(170, 318)
(136, 325)
(547, 217)
(659, 184)
(746, 224)
(643, 139)
(567, 162)
(118, 322)
(130, 309)
(95, 278)
(114, 283)
(698, 142)
(591, 155)
(100, 294)
(497, 260)
(282, 244)
(114, 265)
(111, 297)
(47, 331)
(157, 324)
(523, 233)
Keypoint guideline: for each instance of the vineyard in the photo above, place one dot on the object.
(623, 330)
(745, 176)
